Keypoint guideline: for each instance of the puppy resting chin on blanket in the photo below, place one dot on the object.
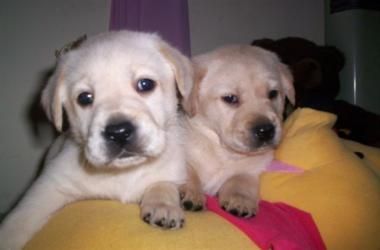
(234, 123)
(118, 90)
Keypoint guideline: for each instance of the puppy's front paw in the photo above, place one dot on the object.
(192, 199)
(162, 215)
(238, 204)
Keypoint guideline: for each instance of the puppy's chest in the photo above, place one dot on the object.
(125, 186)
(214, 164)
(217, 167)
(122, 187)
(214, 171)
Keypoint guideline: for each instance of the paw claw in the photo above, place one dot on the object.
(146, 218)
(160, 223)
(182, 223)
(192, 199)
(234, 211)
(238, 205)
(244, 214)
(163, 216)
(187, 205)
(172, 224)
(198, 208)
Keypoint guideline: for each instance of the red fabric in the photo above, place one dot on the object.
(276, 226)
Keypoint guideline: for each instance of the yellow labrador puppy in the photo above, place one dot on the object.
(118, 90)
(233, 125)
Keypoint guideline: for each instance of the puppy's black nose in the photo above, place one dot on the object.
(264, 132)
(120, 133)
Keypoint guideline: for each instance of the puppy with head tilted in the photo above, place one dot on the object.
(233, 125)
(119, 91)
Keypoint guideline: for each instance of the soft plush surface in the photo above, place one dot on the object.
(276, 226)
(107, 225)
(340, 190)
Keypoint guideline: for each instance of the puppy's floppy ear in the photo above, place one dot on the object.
(190, 103)
(287, 83)
(53, 94)
(52, 98)
(181, 66)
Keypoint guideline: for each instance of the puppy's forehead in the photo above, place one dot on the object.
(241, 66)
(255, 61)
(119, 53)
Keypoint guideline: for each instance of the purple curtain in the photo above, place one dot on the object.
(167, 17)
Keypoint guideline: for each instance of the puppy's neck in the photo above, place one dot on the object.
(197, 127)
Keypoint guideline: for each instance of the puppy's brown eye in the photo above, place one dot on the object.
(273, 94)
(231, 99)
(85, 99)
(145, 85)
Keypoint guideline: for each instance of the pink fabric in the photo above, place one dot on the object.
(276, 226)
(283, 167)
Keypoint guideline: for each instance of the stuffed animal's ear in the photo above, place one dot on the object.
(307, 74)
(331, 58)
(52, 98)
(266, 43)
(287, 83)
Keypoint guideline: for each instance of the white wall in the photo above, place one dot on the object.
(30, 31)
(217, 22)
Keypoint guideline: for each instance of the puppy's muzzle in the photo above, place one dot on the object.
(263, 133)
(121, 139)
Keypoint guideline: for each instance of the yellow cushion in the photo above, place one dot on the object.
(107, 225)
(341, 191)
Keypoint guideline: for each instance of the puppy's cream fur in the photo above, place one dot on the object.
(79, 164)
(224, 155)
